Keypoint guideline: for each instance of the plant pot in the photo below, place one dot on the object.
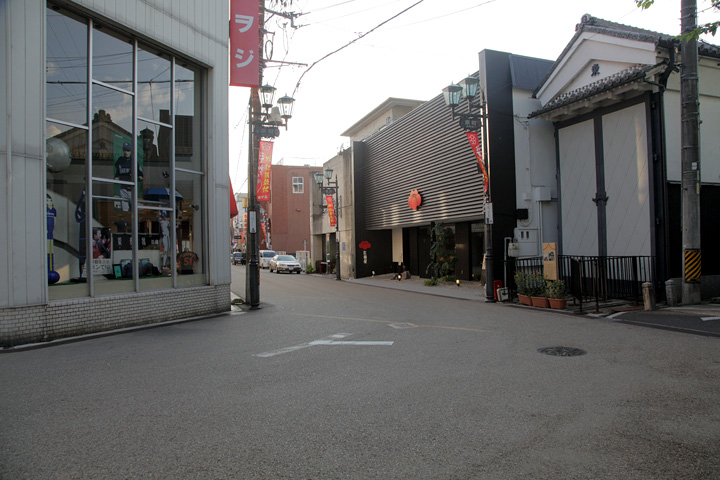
(558, 303)
(524, 299)
(541, 302)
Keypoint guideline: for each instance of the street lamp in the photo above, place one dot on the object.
(332, 188)
(263, 123)
(476, 122)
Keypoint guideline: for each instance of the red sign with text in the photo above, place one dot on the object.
(263, 174)
(244, 43)
(331, 210)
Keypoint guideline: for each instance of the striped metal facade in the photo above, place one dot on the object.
(425, 150)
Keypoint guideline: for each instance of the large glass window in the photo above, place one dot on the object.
(66, 68)
(132, 218)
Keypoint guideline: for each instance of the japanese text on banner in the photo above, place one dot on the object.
(331, 210)
(244, 43)
(264, 164)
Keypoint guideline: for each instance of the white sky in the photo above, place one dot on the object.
(413, 56)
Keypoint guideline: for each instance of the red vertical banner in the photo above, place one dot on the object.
(263, 173)
(331, 210)
(477, 149)
(244, 43)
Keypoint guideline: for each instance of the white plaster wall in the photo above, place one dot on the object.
(709, 86)
(535, 166)
(627, 182)
(577, 189)
(592, 48)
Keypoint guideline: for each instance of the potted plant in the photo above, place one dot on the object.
(538, 291)
(556, 294)
(521, 285)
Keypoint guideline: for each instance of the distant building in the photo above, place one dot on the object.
(289, 208)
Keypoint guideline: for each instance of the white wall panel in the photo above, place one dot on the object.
(627, 182)
(671, 103)
(710, 138)
(22, 209)
(578, 187)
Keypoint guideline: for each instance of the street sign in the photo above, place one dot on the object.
(470, 123)
(264, 131)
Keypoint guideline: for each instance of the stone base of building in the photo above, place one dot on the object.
(69, 318)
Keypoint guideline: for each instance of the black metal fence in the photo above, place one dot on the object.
(597, 278)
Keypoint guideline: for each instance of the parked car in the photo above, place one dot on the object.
(238, 258)
(285, 263)
(265, 257)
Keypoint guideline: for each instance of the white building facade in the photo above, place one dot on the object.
(113, 151)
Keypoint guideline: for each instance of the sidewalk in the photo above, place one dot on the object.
(703, 319)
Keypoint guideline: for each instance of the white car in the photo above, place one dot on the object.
(265, 257)
(285, 263)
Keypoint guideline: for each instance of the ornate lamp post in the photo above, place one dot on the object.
(332, 188)
(476, 122)
(263, 124)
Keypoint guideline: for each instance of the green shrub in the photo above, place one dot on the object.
(530, 284)
(556, 289)
(431, 282)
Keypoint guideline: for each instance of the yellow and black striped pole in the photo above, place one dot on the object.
(692, 265)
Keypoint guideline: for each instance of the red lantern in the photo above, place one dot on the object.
(414, 200)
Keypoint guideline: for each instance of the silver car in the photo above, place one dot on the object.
(284, 263)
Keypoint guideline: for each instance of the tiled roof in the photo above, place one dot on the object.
(628, 75)
(588, 23)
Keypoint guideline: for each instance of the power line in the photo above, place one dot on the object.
(353, 41)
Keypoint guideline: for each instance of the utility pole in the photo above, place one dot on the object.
(690, 155)
(252, 276)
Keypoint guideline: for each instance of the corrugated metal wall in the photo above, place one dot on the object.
(425, 150)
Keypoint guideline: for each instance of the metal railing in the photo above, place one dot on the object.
(597, 278)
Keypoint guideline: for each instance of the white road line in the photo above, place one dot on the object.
(707, 319)
(294, 348)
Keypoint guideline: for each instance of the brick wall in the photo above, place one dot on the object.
(81, 316)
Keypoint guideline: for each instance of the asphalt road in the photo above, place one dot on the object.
(333, 380)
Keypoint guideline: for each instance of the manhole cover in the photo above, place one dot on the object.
(562, 351)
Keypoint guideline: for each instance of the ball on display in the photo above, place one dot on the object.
(53, 277)
(57, 155)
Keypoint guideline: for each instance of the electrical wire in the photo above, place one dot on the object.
(353, 41)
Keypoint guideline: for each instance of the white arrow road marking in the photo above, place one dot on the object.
(707, 319)
(314, 343)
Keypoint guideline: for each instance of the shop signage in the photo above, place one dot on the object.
(264, 164)
(414, 200)
(244, 44)
(364, 245)
(474, 140)
(331, 210)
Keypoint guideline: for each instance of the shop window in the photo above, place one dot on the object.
(191, 261)
(66, 154)
(298, 185)
(154, 85)
(66, 67)
(120, 221)
(188, 154)
(112, 59)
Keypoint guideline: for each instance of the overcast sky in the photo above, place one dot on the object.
(414, 55)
